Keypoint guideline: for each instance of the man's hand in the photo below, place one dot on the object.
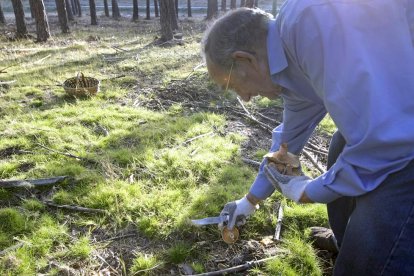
(292, 187)
(238, 211)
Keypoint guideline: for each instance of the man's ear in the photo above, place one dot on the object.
(243, 58)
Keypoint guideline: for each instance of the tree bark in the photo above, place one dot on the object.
(42, 24)
(157, 13)
(223, 5)
(78, 4)
(212, 9)
(189, 8)
(92, 8)
(176, 7)
(148, 10)
(63, 18)
(249, 3)
(242, 3)
(21, 29)
(115, 9)
(233, 4)
(106, 8)
(69, 10)
(256, 3)
(167, 10)
(2, 18)
(274, 7)
(135, 11)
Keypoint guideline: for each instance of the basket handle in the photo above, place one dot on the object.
(80, 77)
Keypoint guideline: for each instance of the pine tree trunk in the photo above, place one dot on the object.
(166, 9)
(74, 7)
(135, 12)
(148, 10)
(274, 7)
(223, 5)
(106, 8)
(2, 18)
(78, 4)
(31, 9)
(21, 29)
(157, 14)
(242, 3)
(212, 9)
(250, 3)
(173, 17)
(69, 10)
(92, 7)
(256, 3)
(115, 9)
(63, 19)
(189, 8)
(233, 4)
(42, 24)
(176, 7)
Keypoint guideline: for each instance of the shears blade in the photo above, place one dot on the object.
(210, 220)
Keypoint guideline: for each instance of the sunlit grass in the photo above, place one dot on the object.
(148, 170)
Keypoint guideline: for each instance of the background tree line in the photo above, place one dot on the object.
(66, 10)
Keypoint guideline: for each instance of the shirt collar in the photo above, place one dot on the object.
(275, 53)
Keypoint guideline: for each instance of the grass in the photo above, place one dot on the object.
(137, 163)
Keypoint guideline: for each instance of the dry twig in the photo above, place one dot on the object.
(11, 248)
(74, 207)
(238, 268)
(314, 162)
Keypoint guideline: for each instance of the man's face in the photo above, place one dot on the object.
(247, 82)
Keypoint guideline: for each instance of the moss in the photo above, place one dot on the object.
(12, 221)
(33, 205)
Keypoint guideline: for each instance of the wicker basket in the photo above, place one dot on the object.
(81, 86)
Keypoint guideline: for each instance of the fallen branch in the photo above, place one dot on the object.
(11, 248)
(313, 161)
(279, 222)
(7, 82)
(42, 59)
(74, 208)
(238, 268)
(31, 182)
(251, 162)
(262, 125)
(2, 70)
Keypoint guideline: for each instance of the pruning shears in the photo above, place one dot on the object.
(228, 235)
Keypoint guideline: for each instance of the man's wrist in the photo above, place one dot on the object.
(253, 199)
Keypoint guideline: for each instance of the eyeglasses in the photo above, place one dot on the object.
(228, 79)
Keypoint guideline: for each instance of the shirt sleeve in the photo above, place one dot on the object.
(359, 57)
(300, 117)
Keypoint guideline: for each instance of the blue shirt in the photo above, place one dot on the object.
(353, 59)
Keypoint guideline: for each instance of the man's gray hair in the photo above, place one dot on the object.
(242, 29)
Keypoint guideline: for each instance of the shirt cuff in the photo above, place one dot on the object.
(317, 191)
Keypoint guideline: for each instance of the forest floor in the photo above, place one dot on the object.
(157, 146)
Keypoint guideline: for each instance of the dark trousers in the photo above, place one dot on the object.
(375, 231)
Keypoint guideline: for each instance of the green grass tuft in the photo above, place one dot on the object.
(178, 253)
(81, 249)
(144, 262)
